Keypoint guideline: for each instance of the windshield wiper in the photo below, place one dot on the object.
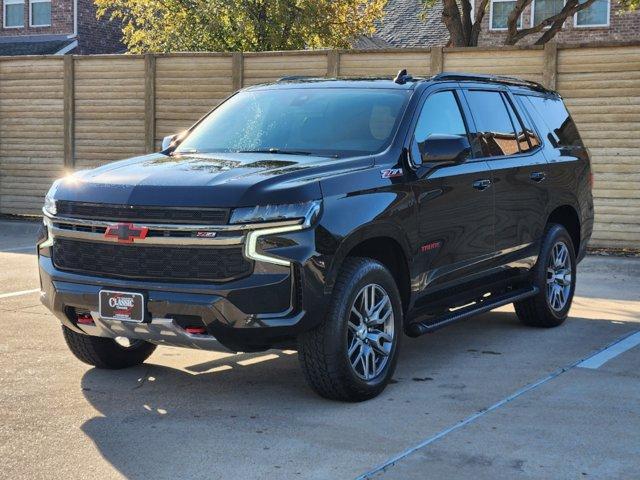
(285, 152)
(188, 151)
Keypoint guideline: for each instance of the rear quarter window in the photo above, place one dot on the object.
(551, 112)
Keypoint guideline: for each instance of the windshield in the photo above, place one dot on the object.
(328, 121)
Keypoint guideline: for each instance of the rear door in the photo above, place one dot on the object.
(568, 170)
(512, 149)
(455, 203)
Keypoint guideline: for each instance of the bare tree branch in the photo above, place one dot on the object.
(466, 20)
(556, 21)
(514, 16)
(477, 23)
(453, 22)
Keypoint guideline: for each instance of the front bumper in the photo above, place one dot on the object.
(266, 309)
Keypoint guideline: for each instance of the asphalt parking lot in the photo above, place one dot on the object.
(484, 399)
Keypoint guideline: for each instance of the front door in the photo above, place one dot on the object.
(455, 203)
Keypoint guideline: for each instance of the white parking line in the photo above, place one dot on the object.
(17, 294)
(18, 249)
(613, 351)
(392, 461)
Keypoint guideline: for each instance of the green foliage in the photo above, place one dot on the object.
(240, 25)
(630, 4)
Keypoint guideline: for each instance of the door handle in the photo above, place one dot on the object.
(482, 184)
(538, 176)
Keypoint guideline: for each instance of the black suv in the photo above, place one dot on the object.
(327, 216)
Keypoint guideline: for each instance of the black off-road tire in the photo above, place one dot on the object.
(323, 351)
(536, 311)
(105, 352)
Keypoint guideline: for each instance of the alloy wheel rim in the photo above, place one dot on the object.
(559, 276)
(370, 332)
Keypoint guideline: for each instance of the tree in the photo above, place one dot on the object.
(240, 25)
(464, 30)
(630, 4)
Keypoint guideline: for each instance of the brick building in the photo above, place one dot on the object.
(602, 21)
(404, 25)
(37, 27)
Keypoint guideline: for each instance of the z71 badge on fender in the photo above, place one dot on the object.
(391, 173)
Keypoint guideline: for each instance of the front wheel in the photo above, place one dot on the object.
(351, 356)
(555, 277)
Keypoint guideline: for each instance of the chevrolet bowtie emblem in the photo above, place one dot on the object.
(126, 232)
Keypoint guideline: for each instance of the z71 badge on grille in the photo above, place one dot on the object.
(205, 234)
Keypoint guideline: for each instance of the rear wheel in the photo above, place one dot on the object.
(106, 352)
(555, 277)
(351, 356)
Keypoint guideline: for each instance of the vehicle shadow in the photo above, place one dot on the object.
(162, 422)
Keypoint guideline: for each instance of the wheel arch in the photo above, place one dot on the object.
(384, 243)
(567, 216)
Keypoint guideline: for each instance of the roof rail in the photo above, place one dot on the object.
(477, 77)
(290, 78)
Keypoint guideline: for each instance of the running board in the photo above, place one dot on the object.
(418, 328)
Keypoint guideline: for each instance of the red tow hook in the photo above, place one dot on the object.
(84, 319)
(196, 330)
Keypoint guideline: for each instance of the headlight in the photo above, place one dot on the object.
(272, 213)
(306, 212)
(50, 205)
(49, 201)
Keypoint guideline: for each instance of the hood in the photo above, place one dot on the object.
(211, 180)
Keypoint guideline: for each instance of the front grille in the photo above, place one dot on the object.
(149, 214)
(152, 233)
(214, 264)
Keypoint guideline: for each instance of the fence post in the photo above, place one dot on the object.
(333, 63)
(149, 103)
(237, 71)
(437, 60)
(69, 111)
(550, 65)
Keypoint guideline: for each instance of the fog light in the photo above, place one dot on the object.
(196, 330)
(84, 319)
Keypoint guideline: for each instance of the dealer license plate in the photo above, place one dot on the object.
(124, 306)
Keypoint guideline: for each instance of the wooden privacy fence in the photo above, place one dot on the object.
(74, 112)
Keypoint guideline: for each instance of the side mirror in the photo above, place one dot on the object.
(441, 150)
(168, 140)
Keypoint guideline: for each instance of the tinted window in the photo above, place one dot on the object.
(523, 140)
(553, 113)
(329, 121)
(441, 115)
(534, 140)
(495, 134)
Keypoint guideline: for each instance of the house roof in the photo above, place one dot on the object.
(403, 25)
(34, 47)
